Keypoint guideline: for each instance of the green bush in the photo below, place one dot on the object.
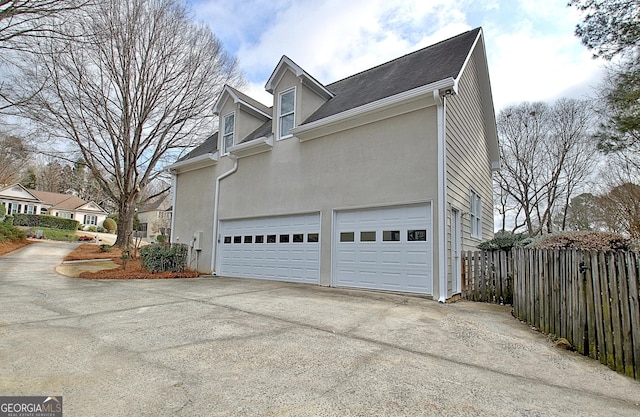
(162, 258)
(92, 229)
(8, 219)
(101, 229)
(9, 233)
(38, 220)
(105, 248)
(504, 241)
(110, 225)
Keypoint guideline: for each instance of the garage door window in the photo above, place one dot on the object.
(312, 238)
(237, 239)
(368, 236)
(298, 238)
(271, 238)
(284, 238)
(346, 237)
(417, 235)
(227, 239)
(259, 239)
(391, 236)
(248, 239)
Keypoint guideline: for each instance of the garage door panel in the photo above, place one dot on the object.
(395, 253)
(266, 248)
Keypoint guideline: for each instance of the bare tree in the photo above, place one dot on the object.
(24, 21)
(620, 209)
(546, 156)
(14, 156)
(137, 84)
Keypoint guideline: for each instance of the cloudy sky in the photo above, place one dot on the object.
(531, 49)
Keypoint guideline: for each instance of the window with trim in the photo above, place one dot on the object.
(31, 209)
(286, 120)
(228, 128)
(476, 215)
(90, 219)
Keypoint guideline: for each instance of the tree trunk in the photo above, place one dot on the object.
(126, 211)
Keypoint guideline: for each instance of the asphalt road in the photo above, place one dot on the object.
(221, 347)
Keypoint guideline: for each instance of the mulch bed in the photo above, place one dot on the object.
(132, 270)
(6, 247)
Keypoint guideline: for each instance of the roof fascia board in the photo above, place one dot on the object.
(308, 80)
(256, 146)
(23, 189)
(487, 99)
(332, 124)
(228, 92)
(201, 161)
(88, 209)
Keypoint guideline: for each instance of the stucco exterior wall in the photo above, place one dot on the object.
(193, 211)
(387, 162)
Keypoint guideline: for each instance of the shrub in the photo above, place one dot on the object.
(110, 225)
(39, 220)
(504, 241)
(101, 229)
(92, 229)
(9, 233)
(583, 240)
(162, 258)
(105, 248)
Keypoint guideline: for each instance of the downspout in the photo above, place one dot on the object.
(442, 195)
(216, 203)
(174, 188)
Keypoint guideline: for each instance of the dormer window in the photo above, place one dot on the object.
(286, 108)
(228, 127)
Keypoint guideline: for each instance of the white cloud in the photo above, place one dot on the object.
(532, 51)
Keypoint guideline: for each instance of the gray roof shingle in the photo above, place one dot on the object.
(425, 66)
(210, 145)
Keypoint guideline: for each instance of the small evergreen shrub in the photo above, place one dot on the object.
(110, 225)
(162, 258)
(101, 229)
(92, 229)
(8, 233)
(504, 241)
(105, 248)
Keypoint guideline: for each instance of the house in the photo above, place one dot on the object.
(154, 218)
(376, 181)
(18, 199)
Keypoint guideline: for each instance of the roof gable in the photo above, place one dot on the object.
(426, 66)
(287, 64)
(248, 104)
(18, 192)
(91, 207)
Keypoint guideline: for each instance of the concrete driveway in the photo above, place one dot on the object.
(219, 347)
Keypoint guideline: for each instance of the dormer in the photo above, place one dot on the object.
(239, 115)
(296, 95)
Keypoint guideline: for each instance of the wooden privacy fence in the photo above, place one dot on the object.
(590, 298)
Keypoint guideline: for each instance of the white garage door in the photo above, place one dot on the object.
(282, 248)
(386, 248)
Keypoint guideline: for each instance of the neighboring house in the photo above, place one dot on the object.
(376, 181)
(154, 219)
(18, 199)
